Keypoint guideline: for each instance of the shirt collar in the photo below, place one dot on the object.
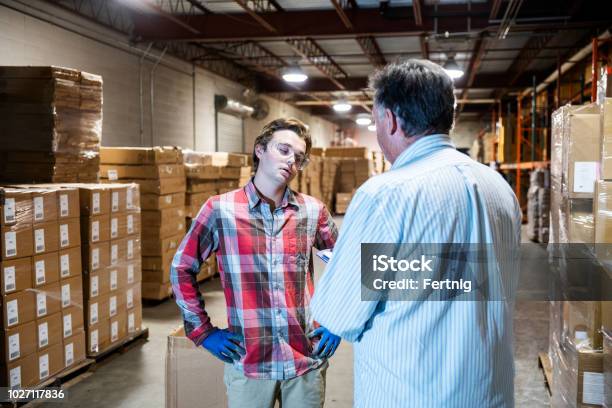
(254, 197)
(422, 147)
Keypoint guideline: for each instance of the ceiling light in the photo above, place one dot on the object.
(372, 128)
(452, 68)
(294, 74)
(342, 106)
(363, 119)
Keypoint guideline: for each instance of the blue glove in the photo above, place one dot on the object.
(224, 345)
(328, 344)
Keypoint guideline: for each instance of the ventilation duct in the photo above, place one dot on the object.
(232, 107)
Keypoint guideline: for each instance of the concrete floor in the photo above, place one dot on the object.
(136, 378)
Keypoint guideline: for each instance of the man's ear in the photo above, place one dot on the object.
(391, 122)
(259, 151)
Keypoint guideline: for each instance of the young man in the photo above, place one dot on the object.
(262, 235)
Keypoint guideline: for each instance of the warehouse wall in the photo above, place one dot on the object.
(25, 39)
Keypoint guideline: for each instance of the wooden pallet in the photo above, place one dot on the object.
(64, 379)
(122, 346)
(546, 366)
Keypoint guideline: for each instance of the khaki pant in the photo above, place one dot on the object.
(305, 391)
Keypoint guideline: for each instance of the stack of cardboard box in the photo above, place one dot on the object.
(353, 169)
(51, 124)
(538, 206)
(310, 181)
(40, 282)
(202, 180)
(160, 174)
(579, 214)
(110, 230)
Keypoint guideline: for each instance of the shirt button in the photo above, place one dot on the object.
(278, 311)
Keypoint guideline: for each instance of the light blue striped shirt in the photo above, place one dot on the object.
(428, 353)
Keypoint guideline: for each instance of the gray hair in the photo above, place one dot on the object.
(419, 93)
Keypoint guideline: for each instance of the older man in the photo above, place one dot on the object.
(424, 353)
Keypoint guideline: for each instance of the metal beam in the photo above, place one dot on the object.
(310, 50)
(495, 5)
(424, 46)
(340, 5)
(416, 9)
(107, 13)
(479, 49)
(254, 8)
(372, 51)
(529, 52)
(253, 56)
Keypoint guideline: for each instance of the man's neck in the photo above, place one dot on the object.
(271, 193)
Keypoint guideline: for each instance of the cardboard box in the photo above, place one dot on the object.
(129, 273)
(98, 337)
(582, 322)
(132, 223)
(159, 202)
(118, 326)
(202, 172)
(581, 228)
(44, 205)
(45, 269)
(358, 152)
(603, 212)
(15, 207)
(21, 373)
(122, 250)
(48, 300)
(161, 217)
(96, 284)
(50, 361)
(583, 146)
(69, 233)
(95, 229)
(18, 342)
(18, 308)
(606, 140)
(198, 186)
(133, 294)
(118, 198)
(156, 247)
(73, 321)
(116, 303)
(134, 319)
(15, 275)
(160, 171)
(606, 316)
(94, 199)
(68, 203)
(235, 172)
(132, 197)
(71, 292)
(118, 226)
(74, 349)
(578, 379)
(163, 261)
(70, 262)
(169, 229)
(96, 311)
(96, 257)
(140, 155)
(16, 242)
(191, 372)
(114, 275)
(46, 237)
(49, 331)
(161, 186)
(156, 291)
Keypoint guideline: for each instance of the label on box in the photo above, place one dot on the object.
(130, 249)
(65, 265)
(12, 312)
(95, 231)
(66, 295)
(168, 199)
(114, 227)
(129, 198)
(95, 259)
(113, 280)
(112, 305)
(13, 350)
(9, 210)
(9, 278)
(95, 198)
(181, 227)
(43, 366)
(64, 206)
(40, 272)
(131, 322)
(114, 254)
(64, 237)
(93, 313)
(43, 335)
(130, 224)
(10, 243)
(585, 174)
(130, 273)
(67, 325)
(15, 374)
(69, 353)
(593, 388)
(115, 201)
(94, 285)
(41, 304)
(93, 341)
(112, 175)
(39, 240)
(114, 331)
(130, 298)
(39, 209)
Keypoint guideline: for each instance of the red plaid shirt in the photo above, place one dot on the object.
(266, 269)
